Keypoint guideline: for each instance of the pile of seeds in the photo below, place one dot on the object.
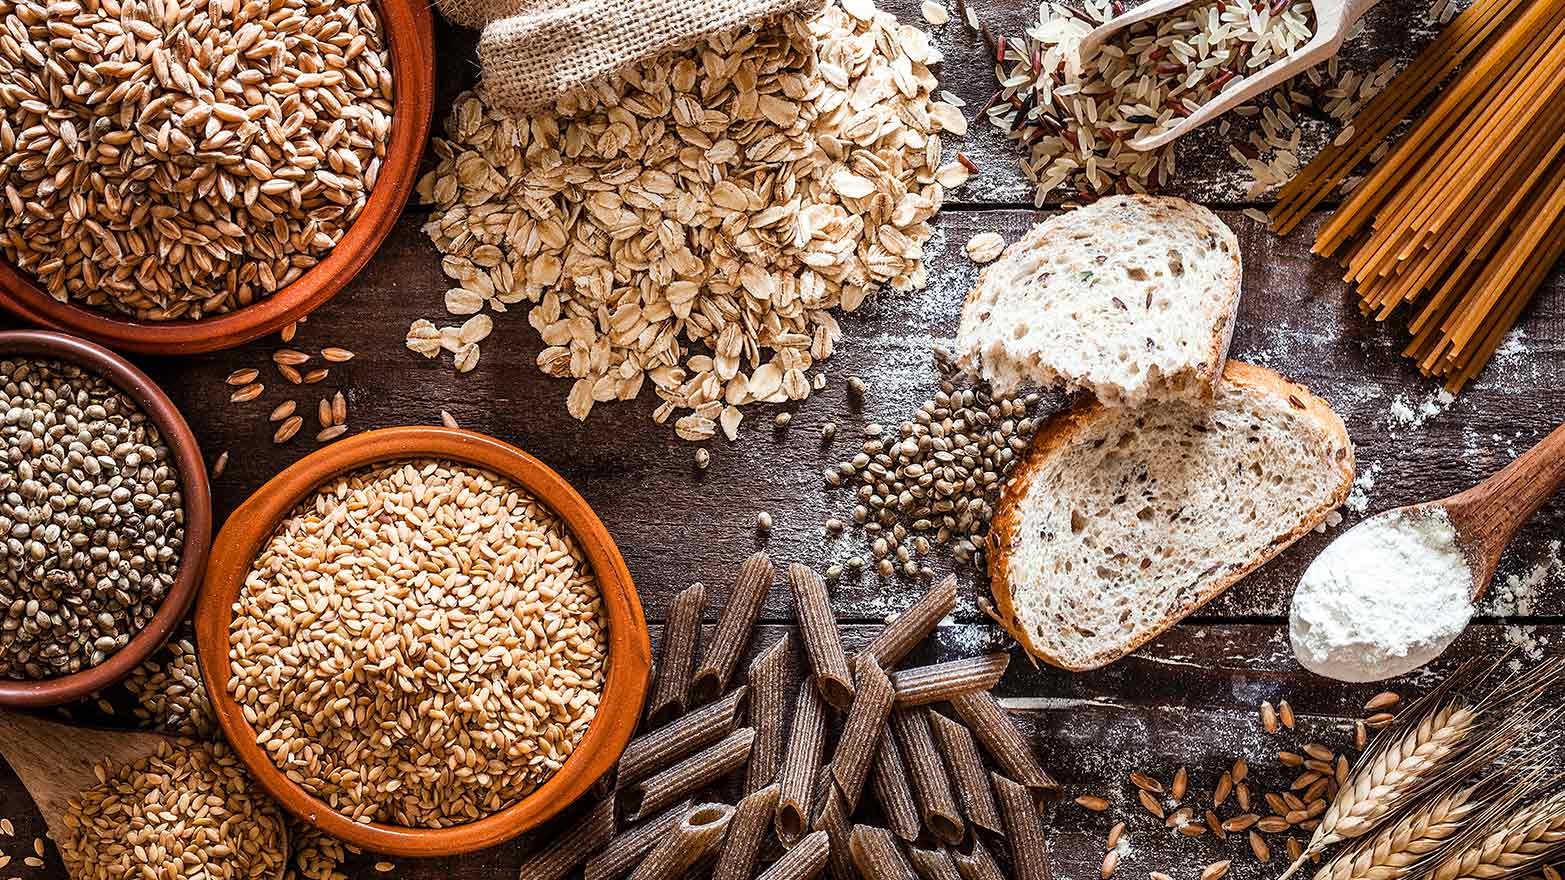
(452, 656)
(697, 221)
(169, 692)
(933, 481)
(1073, 116)
(91, 514)
(191, 806)
(178, 158)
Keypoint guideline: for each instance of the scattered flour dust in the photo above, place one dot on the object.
(1407, 413)
(1517, 595)
(1363, 484)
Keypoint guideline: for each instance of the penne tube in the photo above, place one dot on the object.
(913, 625)
(677, 663)
(741, 849)
(767, 679)
(659, 749)
(694, 837)
(1004, 742)
(822, 639)
(805, 861)
(861, 732)
(734, 628)
(625, 850)
(931, 783)
(889, 783)
(801, 765)
(587, 836)
(923, 685)
(968, 775)
(1023, 829)
(977, 864)
(877, 855)
(690, 775)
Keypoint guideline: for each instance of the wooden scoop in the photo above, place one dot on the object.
(1487, 516)
(1333, 20)
(55, 761)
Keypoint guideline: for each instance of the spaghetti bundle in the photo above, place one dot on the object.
(1460, 219)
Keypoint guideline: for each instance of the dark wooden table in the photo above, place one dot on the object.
(1187, 699)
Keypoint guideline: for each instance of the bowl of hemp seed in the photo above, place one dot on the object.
(232, 173)
(105, 515)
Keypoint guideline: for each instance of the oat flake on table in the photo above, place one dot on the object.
(696, 222)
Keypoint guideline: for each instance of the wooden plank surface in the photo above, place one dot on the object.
(1188, 699)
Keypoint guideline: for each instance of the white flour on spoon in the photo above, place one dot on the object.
(1383, 599)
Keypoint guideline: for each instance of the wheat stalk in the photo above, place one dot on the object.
(1395, 849)
(1520, 843)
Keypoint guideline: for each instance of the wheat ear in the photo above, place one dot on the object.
(1395, 849)
(1519, 843)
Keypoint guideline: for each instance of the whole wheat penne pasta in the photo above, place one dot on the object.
(877, 854)
(677, 663)
(931, 784)
(587, 835)
(833, 819)
(968, 775)
(933, 864)
(1023, 829)
(746, 831)
(861, 732)
(625, 850)
(659, 749)
(805, 861)
(913, 625)
(734, 628)
(693, 837)
(822, 639)
(767, 678)
(977, 864)
(888, 781)
(923, 685)
(690, 775)
(1004, 742)
(801, 764)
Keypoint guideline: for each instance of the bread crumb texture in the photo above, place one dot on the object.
(1130, 298)
(1122, 522)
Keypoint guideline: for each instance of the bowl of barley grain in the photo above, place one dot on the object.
(422, 641)
(105, 515)
(182, 176)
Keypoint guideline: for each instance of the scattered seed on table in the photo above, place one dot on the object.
(856, 386)
(1110, 862)
(887, 568)
(763, 521)
(339, 408)
(219, 466)
(282, 411)
(1382, 700)
(1268, 716)
(289, 357)
(828, 432)
(1259, 847)
(384, 867)
(1285, 713)
(323, 412)
(703, 458)
(7, 828)
(335, 355)
(243, 376)
(316, 375)
(287, 429)
(783, 419)
(448, 420)
(291, 373)
(247, 393)
(1360, 735)
(1115, 834)
(331, 433)
(833, 572)
(1216, 870)
(287, 333)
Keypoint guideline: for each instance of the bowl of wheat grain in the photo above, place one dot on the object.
(181, 176)
(422, 641)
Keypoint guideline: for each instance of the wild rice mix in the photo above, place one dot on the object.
(421, 643)
(1073, 116)
(697, 221)
(187, 811)
(177, 158)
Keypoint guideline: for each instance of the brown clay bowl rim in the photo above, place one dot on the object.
(630, 657)
(409, 29)
(190, 466)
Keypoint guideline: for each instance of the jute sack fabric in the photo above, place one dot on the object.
(533, 52)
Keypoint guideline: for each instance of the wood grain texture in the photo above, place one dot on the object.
(1187, 699)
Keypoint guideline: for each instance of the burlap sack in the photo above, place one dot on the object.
(534, 51)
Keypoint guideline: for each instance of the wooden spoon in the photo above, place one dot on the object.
(1487, 516)
(1333, 20)
(56, 762)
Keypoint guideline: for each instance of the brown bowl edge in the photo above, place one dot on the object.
(186, 452)
(409, 28)
(630, 659)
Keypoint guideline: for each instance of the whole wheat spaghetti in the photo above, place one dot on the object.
(1460, 220)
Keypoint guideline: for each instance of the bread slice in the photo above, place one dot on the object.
(1117, 523)
(1130, 298)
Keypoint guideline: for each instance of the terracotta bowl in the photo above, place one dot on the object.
(630, 661)
(410, 32)
(187, 458)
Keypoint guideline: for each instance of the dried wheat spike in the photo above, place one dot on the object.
(1387, 779)
(1395, 849)
(1520, 843)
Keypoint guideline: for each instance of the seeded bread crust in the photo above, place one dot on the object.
(1062, 429)
(1159, 213)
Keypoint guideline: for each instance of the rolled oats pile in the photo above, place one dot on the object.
(696, 222)
(420, 643)
(169, 159)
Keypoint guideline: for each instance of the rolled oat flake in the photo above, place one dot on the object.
(91, 514)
